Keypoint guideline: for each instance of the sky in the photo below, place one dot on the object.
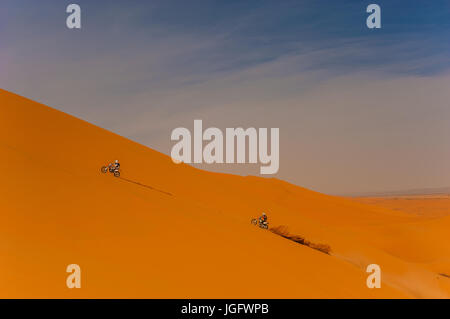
(359, 110)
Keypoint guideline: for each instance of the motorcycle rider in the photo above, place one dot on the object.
(117, 165)
(263, 219)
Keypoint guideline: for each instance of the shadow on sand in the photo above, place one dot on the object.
(146, 186)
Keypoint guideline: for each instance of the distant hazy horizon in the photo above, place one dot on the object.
(404, 192)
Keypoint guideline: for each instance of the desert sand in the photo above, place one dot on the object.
(164, 230)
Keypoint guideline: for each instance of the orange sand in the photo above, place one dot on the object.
(56, 208)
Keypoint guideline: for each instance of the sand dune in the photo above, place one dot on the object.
(172, 231)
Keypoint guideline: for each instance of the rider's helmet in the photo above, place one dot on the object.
(117, 161)
(264, 214)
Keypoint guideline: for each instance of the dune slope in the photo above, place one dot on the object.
(171, 231)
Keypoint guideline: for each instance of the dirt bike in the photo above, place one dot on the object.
(257, 221)
(112, 169)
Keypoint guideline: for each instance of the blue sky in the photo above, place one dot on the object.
(248, 32)
(142, 68)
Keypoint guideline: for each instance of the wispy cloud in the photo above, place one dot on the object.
(338, 91)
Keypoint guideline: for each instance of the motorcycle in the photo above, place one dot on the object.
(112, 169)
(258, 222)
